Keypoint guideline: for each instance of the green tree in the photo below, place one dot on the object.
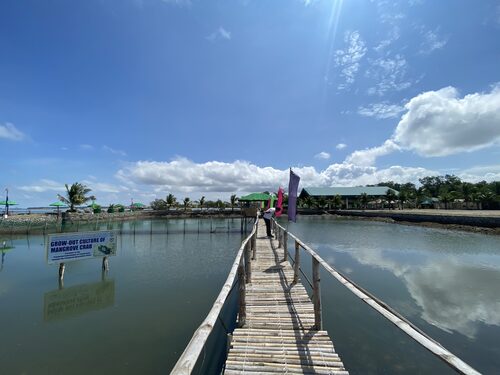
(76, 195)
(202, 201)
(390, 197)
(364, 200)
(337, 201)
(446, 198)
(403, 198)
(171, 200)
(233, 201)
(186, 203)
(158, 204)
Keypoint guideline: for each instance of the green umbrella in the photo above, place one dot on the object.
(9, 202)
(138, 205)
(58, 205)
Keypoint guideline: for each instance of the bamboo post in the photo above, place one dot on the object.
(297, 263)
(105, 264)
(248, 265)
(316, 297)
(61, 271)
(285, 245)
(278, 234)
(45, 228)
(29, 226)
(254, 246)
(242, 312)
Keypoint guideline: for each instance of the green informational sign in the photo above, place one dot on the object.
(78, 300)
(80, 245)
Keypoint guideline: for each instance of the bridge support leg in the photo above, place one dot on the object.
(285, 245)
(316, 297)
(248, 265)
(242, 310)
(296, 265)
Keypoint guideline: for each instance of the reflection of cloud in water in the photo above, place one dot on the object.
(456, 297)
(453, 296)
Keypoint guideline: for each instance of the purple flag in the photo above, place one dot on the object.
(293, 186)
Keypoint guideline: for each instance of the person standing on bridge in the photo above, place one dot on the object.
(268, 215)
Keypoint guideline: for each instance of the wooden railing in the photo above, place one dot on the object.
(381, 307)
(241, 271)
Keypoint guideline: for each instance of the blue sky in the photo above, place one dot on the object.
(140, 98)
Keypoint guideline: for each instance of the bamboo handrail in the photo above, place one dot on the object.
(386, 311)
(186, 362)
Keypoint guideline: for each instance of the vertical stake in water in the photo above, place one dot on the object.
(105, 264)
(61, 271)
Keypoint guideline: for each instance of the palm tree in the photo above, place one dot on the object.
(364, 200)
(202, 201)
(171, 200)
(403, 198)
(233, 201)
(76, 195)
(445, 198)
(186, 203)
(337, 201)
(390, 197)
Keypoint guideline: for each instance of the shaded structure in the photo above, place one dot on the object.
(347, 194)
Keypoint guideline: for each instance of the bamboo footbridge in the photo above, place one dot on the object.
(279, 328)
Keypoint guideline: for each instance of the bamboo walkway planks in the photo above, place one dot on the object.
(279, 334)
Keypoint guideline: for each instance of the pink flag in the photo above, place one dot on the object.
(279, 205)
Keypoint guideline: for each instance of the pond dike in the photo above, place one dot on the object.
(440, 217)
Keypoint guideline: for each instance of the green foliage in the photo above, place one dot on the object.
(159, 204)
(186, 203)
(171, 201)
(233, 201)
(111, 208)
(76, 195)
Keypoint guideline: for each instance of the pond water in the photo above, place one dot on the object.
(136, 319)
(139, 316)
(446, 282)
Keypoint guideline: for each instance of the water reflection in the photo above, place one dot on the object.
(64, 303)
(454, 292)
(4, 249)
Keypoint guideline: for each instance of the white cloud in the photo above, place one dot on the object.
(440, 123)
(341, 146)
(368, 156)
(43, 185)
(180, 3)
(479, 173)
(393, 35)
(114, 151)
(219, 34)
(349, 58)
(432, 41)
(322, 155)
(86, 147)
(381, 110)
(102, 187)
(185, 176)
(10, 132)
(389, 73)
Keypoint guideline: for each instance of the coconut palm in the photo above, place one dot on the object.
(186, 203)
(202, 201)
(76, 195)
(390, 197)
(364, 200)
(403, 198)
(337, 201)
(233, 201)
(171, 200)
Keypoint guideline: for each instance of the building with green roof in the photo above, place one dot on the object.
(347, 193)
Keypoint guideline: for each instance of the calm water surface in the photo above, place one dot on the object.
(137, 319)
(446, 282)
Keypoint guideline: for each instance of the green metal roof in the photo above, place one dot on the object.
(255, 197)
(345, 191)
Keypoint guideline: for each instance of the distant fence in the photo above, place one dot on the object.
(130, 224)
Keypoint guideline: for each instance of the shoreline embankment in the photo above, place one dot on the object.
(483, 221)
